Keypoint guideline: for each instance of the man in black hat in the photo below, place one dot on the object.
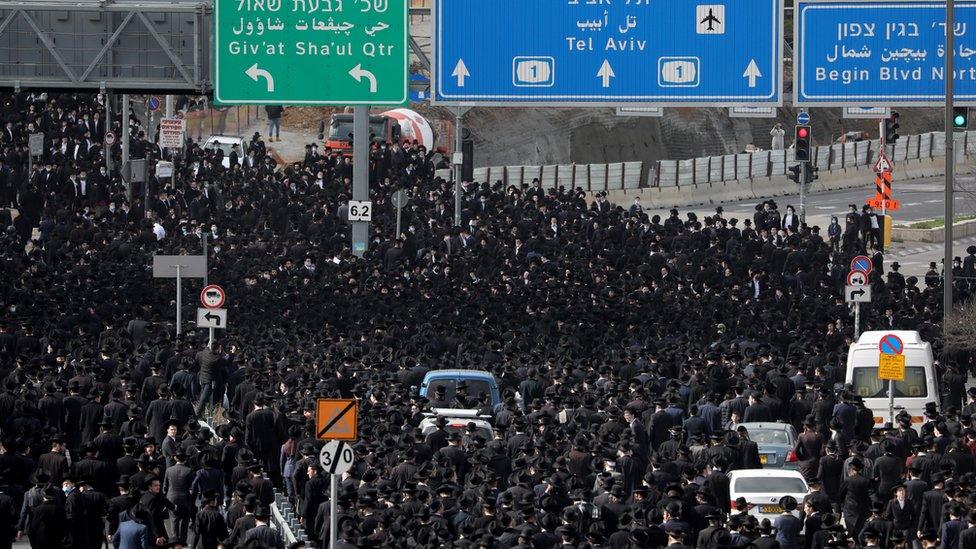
(313, 495)
(176, 486)
(209, 526)
(262, 533)
(855, 496)
(55, 463)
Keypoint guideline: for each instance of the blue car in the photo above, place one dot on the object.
(479, 383)
(776, 443)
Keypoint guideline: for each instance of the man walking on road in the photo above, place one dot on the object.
(274, 121)
(207, 359)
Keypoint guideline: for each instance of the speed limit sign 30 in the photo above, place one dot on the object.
(336, 457)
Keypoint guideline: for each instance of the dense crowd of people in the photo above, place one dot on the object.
(626, 347)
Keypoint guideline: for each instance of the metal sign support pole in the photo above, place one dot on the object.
(857, 321)
(399, 211)
(803, 192)
(360, 176)
(124, 136)
(950, 166)
(457, 167)
(108, 128)
(206, 255)
(891, 401)
(333, 509)
(210, 340)
(179, 299)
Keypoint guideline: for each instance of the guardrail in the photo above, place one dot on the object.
(728, 169)
(283, 515)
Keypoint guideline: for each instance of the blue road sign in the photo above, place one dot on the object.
(855, 54)
(891, 344)
(862, 263)
(153, 104)
(598, 53)
(803, 118)
(419, 96)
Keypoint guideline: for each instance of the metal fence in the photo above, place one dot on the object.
(720, 169)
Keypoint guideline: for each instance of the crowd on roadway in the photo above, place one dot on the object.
(627, 349)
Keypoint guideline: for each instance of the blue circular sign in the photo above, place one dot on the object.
(153, 103)
(862, 263)
(891, 344)
(803, 118)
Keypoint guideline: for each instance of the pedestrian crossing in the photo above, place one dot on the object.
(916, 248)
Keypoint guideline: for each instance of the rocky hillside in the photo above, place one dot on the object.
(510, 136)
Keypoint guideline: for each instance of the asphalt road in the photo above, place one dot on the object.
(921, 200)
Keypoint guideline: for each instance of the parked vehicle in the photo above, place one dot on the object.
(478, 383)
(764, 488)
(921, 385)
(776, 443)
(226, 143)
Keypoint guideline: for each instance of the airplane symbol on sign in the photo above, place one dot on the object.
(711, 20)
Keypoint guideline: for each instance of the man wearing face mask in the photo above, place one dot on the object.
(791, 221)
(852, 224)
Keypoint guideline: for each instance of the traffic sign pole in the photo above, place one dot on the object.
(360, 176)
(333, 509)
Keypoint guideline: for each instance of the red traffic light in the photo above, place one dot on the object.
(802, 132)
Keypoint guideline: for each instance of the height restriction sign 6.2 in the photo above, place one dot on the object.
(311, 52)
(336, 418)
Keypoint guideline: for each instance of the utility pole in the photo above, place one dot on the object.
(950, 164)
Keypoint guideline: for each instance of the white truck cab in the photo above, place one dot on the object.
(921, 385)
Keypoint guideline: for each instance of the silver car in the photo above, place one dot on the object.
(776, 442)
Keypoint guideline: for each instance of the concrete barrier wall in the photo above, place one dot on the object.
(740, 176)
(959, 230)
(771, 187)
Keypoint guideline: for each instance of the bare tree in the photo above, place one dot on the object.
(960, 328)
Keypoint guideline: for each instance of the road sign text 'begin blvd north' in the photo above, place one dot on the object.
(868, 53)
(311, 52)
(598, 52)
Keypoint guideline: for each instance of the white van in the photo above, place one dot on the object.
(920, 386)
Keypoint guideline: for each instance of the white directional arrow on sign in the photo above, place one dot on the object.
(358, 72)
(606, 72)
(752, 73)
(254, 72)
(461, 72)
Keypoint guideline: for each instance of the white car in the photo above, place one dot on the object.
(764, 488)
(226, 144)
(457, 420)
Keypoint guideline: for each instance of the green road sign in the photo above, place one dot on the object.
(311, 52)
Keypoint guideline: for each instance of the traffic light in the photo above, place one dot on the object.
(960, 118)
(801, 141)
(796, 173)
(813, 173)
(891, 126)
